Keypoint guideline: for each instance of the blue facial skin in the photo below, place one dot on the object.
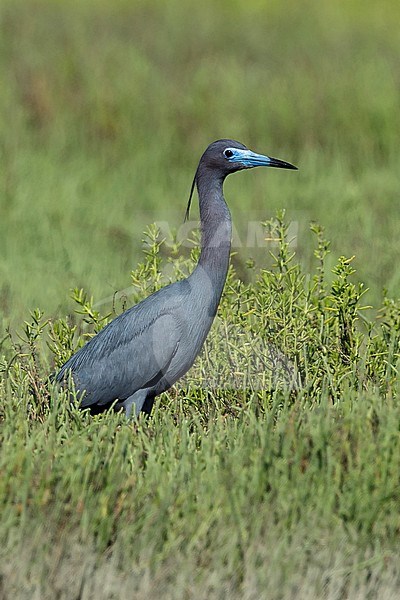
(250, 159)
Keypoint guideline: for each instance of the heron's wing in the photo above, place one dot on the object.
(130, 353)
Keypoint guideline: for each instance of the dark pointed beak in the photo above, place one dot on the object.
(280, 164)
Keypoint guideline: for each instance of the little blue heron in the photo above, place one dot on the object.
(146, 349)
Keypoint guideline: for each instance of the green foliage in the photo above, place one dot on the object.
(288, 417)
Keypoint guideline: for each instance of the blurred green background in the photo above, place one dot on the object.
(106, 108)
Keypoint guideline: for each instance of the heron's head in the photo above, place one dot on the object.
(227, 156)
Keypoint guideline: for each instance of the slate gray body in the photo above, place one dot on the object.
(146, 349)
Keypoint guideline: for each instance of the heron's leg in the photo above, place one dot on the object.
(134, 403)
(148, 405)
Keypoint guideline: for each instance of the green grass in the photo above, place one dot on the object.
(287, 504)
(272, 469)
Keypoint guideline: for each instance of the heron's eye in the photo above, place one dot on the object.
(228, 153)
